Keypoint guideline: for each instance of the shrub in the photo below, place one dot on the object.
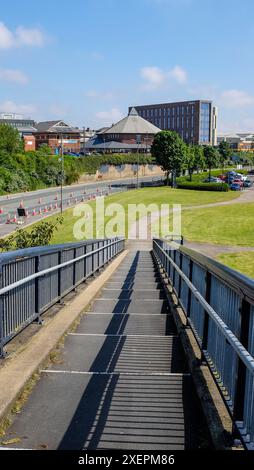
(204, 186)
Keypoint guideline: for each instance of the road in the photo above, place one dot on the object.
(45, 201)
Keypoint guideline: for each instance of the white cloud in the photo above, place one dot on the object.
(179, 74)
(11, 107)
(113, 115)
(156, 77)
(12, 75)
(236, 99)
(20, 37)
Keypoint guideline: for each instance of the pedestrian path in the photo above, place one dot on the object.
(122, 381)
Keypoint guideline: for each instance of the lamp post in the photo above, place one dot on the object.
(138, 141)
(62, 172)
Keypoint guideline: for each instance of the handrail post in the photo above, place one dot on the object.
(60, 256)
(2, 354)
(240, 381)
(206, 316)
(38, 291)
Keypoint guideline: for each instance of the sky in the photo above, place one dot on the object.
(87, 61)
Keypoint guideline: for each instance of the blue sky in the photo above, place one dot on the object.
(86, 61)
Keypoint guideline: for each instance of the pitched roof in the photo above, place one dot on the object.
(54, 126)
(133, 124)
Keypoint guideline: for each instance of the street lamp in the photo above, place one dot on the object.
(138, 141)
(62, 172)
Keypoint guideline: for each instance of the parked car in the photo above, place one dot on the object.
(212, 179)
(247, 184)
(222, 177)
(235, 187)
(238, 181)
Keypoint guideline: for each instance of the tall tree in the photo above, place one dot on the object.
(225, 152)
(190, 160)
(169, 150)
(199, 157)
(211, 158)
(10, 140)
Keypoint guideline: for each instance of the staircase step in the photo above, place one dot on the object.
(124, 324)
(140, 354)
(130, 306)
(125, 294)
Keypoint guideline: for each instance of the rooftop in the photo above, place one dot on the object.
(133, 124)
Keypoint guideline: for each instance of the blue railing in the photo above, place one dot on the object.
(219, 305)
(34, 279)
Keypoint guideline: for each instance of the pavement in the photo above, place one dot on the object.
(121, 380)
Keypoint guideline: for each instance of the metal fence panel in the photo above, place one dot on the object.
(196, 310)
(23, 303)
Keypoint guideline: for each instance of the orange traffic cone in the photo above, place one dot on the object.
(15, 220)
(34, 213)
(45, 209)
(1, 210)
(21, 206)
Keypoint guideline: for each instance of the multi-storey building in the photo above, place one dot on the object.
(195, 121)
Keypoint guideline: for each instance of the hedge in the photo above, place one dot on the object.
(204, 186)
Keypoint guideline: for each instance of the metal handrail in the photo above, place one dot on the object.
(246, 358)
(27, 279)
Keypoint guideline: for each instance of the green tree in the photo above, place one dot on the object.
(10, 140)
(211, 158)
(190, 160)
(199, 158)
(169, 151)
(225, 152)
(40, 235)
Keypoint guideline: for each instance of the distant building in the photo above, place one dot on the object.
(131, 134)
(195, 121)
(56, 133)
(25, 126)
(242, 141)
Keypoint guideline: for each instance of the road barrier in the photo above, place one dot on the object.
(34, 279)
(219, 305)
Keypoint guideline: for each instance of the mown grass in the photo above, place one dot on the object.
(241, 261)
(224, 225)
(146, 196)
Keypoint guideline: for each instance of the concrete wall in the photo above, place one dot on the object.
(110, 172)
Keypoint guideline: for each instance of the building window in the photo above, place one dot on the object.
(169, 123)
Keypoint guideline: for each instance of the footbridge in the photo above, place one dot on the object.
(153, 348)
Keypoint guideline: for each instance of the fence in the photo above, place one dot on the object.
(219, 305)
(34, 279)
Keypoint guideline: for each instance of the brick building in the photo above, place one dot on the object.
(195, 121)
(56, 133)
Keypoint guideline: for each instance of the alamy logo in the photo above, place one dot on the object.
(134, 221)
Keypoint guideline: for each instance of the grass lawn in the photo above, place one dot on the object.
(146, 196)
(225, 225)
(241, 261)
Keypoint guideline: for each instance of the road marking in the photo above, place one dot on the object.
(139, 374)
(124, 336)
(165, 314)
